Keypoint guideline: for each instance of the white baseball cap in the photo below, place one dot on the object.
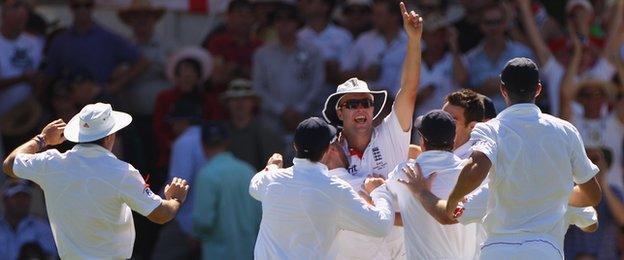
(95, 121)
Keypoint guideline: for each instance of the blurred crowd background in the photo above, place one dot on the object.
(260, 67)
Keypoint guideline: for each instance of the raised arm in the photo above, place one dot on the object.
(410, 76)
(52, 134)
(568, 85)
(614, 39)
(536, 40)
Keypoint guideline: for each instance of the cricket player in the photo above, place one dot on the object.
(425, 238)
(89, 193)
(474, 208)
(376, 150)
(303, 208)
(533, 160)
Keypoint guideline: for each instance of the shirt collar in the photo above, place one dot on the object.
(437, 160)
(92, 150)
(305, 163)
(522, 109)
(462, 149)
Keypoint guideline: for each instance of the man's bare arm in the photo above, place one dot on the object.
(586, 195)
(52, 134)
(410, 76)
(471, 176)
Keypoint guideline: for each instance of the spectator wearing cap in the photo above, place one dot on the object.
(603, 243)
(141, 17)
(333, 41)
(20, 56)
(425, 238)
(89, 192)
(377, 149)
(18, 227)
(232, 45)
(490, 56)
(226, 218)
(595, 124)
(288, 74)
(595, 62)
(187, 158)
(72, 53)
(186, 70)
(251, 140)
(304, 202)
(443, 70)
(377, 55)
(356, 17)
(528, 199)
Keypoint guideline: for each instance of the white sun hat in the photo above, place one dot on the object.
(95, 121)
(352, 85)
(202, 56)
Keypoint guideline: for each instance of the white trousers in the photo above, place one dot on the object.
(528, 249)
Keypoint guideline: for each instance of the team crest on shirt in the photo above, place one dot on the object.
(379, 163)
(352, 169)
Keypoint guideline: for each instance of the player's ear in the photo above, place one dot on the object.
(339, 114)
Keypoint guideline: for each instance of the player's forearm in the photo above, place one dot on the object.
(165, 212)
(435, 206)
(410, 79)
(586, 195)
(471, 176)
(30, 147)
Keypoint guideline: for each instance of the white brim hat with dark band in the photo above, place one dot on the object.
(352, 86)
(94, 122)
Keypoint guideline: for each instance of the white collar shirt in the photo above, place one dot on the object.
(536, 158)
(425, 238)
(89, 195)
(303, 209)
(388, 148)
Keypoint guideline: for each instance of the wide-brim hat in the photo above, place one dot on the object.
(353, 85)
(239, 88)
(607, 87)
(195, 53)
(94, 122)
(137, 7)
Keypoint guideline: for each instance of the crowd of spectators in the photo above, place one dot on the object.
(268, 65)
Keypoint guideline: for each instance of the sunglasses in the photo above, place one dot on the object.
(84, 5)
(356, 103)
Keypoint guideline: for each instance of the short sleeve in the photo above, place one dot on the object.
(484, 141)
(581, 217)
(35, 167)
(582, 168)
(137, 194)
(475, 206)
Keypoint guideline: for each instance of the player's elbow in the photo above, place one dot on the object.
(7, 166)
(591, 228)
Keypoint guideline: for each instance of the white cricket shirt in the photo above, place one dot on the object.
(425, 238)
(388, 148)
(89, 194)
(303, 209)
(536, 159)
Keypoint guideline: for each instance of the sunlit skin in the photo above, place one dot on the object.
(357, 123)
(462, 130)
(592, 98)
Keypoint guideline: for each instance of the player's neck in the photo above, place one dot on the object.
(358, 140)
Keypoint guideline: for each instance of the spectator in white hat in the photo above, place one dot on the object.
(89, 192)
(376, 150)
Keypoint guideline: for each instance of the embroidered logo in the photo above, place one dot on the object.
(379, 163)
(377, 154)
(352, 170)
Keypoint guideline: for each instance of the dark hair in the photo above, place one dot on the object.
(238, 5)
(312, 155)
(99, 142)
(392, 6)
(214, 133)
(431, 147)
(520, 78)
(189, 61)
(470, 102)
(284, 10)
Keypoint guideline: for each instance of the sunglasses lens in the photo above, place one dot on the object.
(355, 103)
